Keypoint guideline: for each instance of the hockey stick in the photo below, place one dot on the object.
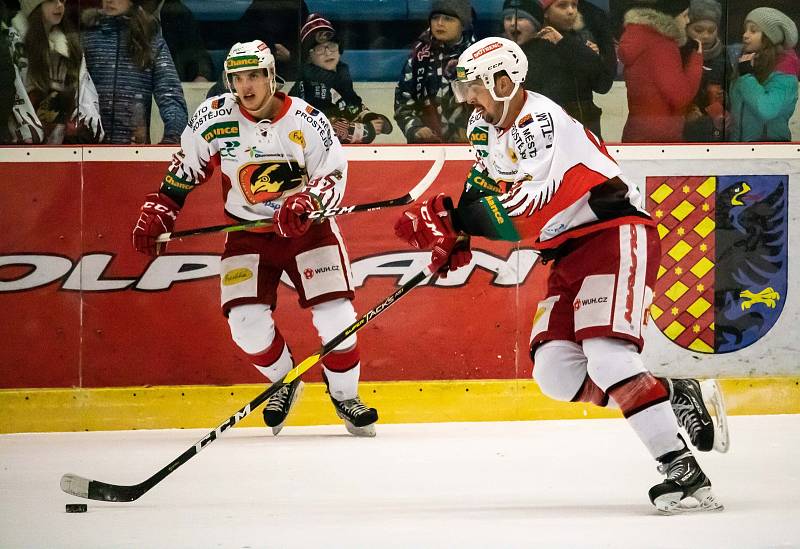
(334, 211)
(102, 491)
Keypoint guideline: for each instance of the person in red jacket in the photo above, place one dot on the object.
(662, 70)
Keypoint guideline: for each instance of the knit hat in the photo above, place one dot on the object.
(776, 25)
(316, 30)
(673, 8)
(27, 6)
(546, 4)
(524, 9)
(455, 8)
(705, 10)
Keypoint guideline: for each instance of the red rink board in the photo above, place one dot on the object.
(112, 334)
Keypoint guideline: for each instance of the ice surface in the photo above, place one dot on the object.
(514, 484)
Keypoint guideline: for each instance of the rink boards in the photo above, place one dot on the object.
(100, 337)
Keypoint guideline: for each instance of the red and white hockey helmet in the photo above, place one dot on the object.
(245, 56)
(480, 62)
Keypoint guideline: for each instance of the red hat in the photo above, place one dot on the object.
(316, 30)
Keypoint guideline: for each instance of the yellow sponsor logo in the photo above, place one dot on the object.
(297, 137)
(495, 210)
(237, 276)
(172, 182)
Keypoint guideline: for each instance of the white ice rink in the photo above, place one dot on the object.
(518, 484)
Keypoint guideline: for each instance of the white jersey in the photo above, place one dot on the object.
(262, 162)
(553, 177)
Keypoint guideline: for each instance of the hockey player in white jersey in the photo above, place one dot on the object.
(541, 176)
(279, 160)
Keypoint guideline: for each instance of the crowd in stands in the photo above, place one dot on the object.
(693, 70)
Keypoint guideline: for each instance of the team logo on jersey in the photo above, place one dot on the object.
(298, 137)
(722, 280)
(261, 182)
(223, 129)
(237, 276)
(525, 120)
(311, 110)
(217, 103)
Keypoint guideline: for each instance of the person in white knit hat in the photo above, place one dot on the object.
(54, 74)
(764, 95)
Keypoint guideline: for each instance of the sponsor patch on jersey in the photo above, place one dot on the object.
(479, 137)
(174, 182)
(223, 129)
(483, 181)
(298, 137)
(311, 110)
(217, 103)
(237, 276)
(486, 49)
(525, 120)
(264, 181)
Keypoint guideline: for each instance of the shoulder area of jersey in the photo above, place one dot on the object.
(213, 110)
(304, 110)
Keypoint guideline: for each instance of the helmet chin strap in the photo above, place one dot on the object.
(506, 103)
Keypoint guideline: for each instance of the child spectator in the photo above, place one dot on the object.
(53, 71)
(661, 85)
(705, 120)
(131, 64)
(522, 19)
(572, 58)
(325, 83)
(764, 95)
(424, 105)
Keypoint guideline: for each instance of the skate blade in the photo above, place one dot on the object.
(365, 431)
(712, 395)
(277, 428)
(701, 501)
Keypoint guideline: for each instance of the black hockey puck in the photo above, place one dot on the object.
(76, 507)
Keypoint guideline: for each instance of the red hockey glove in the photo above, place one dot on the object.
(450, 254)
(158, 215)
(423, 225)
(292, 220)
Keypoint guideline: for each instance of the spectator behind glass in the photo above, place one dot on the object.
(326, 84)
(19, 121)
(764, 95)
(522, 19)
(54, 74)
(705, 120)
(182, 33)
(661, 85)
(572, 57)
(424, 105)
(131, 65)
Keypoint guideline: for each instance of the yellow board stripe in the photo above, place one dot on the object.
(196, 406)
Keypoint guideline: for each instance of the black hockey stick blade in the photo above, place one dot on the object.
(81, 487)
(418, 190)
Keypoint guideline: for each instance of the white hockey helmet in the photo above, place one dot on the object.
(480, 62)
(245, 56)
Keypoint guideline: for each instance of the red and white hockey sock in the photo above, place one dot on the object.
(644, 402)
(342, 370)
(276, 360)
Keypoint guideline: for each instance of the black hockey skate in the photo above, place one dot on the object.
(686, 488)
(280, 404)
(690, 400)
(358, 419)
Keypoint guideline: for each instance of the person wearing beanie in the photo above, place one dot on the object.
(522, 19)
(424, 106)
(572, 58)
(705, 118)
(326, 84)
(661, 79)
(764, 95)
(54, 74)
